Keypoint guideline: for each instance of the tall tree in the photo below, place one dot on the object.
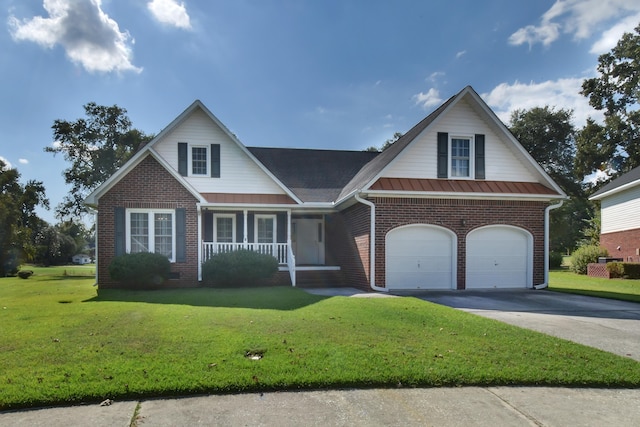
(549, 136)
(96, 147)
(614, 147)
(18, 218)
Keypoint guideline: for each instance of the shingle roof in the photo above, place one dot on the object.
(627, 178)
(368, 172)
(313, 175)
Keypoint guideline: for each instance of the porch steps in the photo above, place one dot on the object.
(319, 278)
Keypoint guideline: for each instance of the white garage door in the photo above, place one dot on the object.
(420, 257)
(499, 257)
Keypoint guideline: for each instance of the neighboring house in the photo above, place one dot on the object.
(620, 216)
(456, 203)
(81, 259)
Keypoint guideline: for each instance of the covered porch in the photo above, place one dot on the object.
(295, 239)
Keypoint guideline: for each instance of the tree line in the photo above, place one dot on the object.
(97, 145)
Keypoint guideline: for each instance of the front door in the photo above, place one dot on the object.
(307, 238)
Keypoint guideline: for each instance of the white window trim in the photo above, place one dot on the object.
(190, 160)
(472, 156)
(152, 234)
(275, 227)
(215, 226)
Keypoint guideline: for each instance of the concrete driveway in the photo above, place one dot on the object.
(609, 325)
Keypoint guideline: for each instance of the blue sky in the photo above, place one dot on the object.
(288, 73)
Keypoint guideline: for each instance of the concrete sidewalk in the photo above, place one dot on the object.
(468, 406)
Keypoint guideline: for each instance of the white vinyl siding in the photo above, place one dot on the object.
(502, 163)
(239, 173)
(621, 211)
(151, 231)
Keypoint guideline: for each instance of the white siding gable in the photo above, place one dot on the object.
(238, 172)
(502, 161)
(621, 211)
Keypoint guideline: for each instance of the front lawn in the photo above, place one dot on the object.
(60, 343)
(621, 289)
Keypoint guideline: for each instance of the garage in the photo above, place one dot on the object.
(420, 256)
(499, 256)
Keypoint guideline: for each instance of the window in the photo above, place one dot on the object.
(224, 228)
(151, 231)
(265, 229)
(199, 161)
(460, 157)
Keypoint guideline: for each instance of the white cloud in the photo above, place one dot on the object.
(435, 76)
(429, 99)
(610, 38)
(23, 161)
(562, 93)
(170, 12)
(460, 54)
(89, 36)
(578, 17)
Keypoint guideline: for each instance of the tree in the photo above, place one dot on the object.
(388, 143)
(549, 136)
(18, 218)
(96, 147)
(614, 147)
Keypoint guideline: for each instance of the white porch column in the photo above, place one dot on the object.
(245, 238)
(289, 227)
(199, 209)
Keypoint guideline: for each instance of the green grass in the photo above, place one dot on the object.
(621, 289)
(61, 342)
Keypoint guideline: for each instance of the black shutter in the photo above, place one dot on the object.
(443, 154)
(181, 235)
(120, 226)
(480, 172)
(215, 160)
(182, 158)
(207, 218)
(239, 227)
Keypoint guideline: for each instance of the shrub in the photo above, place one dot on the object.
(25, 274)
(142, 269)
(239, 268)
(585, 255)
(555, 260)
(615, 269)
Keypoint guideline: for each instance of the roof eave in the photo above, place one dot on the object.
(613, 191)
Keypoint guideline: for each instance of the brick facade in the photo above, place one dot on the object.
(461, 217)
(628, 241)
(147, 186)
(348, 244)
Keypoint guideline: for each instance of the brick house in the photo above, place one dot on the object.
(456, 203)
(620, 216)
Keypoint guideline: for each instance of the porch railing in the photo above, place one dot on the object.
(277, 250)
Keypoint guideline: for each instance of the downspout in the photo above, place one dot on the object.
(546, 245)
(372, 244)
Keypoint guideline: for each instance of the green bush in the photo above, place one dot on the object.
(25, 274)
(142, 269)
(241, 268)
(615, 269)
(585, 255)
(555, 260)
